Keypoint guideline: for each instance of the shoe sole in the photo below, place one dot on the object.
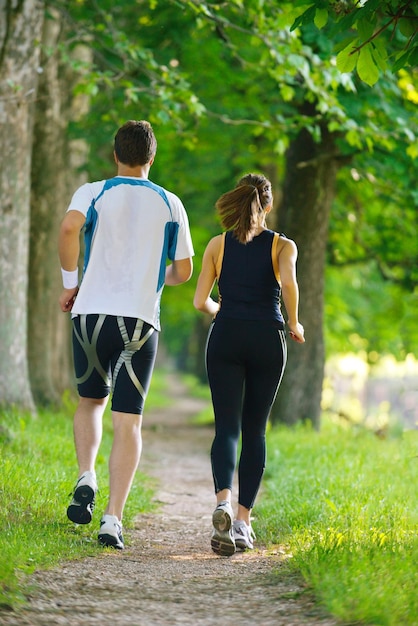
(221, 520)
(80, 510)
(110, 541)
(221, 542)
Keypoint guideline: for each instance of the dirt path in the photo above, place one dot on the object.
(167, 574)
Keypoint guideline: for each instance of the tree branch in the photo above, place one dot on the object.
(395, 18)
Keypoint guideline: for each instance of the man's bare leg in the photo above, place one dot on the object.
(124, 459)
(88, 428)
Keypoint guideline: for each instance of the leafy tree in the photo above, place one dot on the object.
(371, 258)
(328, 120)
(287, 107)
(367, 27)
(285, 97)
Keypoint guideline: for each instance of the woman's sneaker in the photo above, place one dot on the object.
(81, 507)
(243, 535)
(222, 540)
(110, 533)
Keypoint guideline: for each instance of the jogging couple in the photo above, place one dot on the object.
(136, 241)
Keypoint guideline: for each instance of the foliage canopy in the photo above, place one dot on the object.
(228, 86)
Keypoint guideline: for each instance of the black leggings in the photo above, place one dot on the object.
(245, 361)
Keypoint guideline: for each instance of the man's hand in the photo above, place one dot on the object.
(67, 298)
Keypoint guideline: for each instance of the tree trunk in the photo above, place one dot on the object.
(20, 32)
(48, 197)
(54, 179)
(308, 192)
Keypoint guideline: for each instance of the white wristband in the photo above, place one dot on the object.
(69, 279)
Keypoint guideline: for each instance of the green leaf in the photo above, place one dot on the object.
(347, 58)
(382, 48)
(353, 138)
(379, 59)
(345, 23)
(287, 93)
(298, 21)
(407, 27)
(400, 62)
(365, 28)
(413, 57)
(370, 7)
(412, 150)
(307, 17)
(366, 67)
(344, 43)
(281, 145)
(321, 18)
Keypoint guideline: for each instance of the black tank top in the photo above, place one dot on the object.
(248, 286)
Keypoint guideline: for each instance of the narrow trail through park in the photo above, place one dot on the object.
(167, 574)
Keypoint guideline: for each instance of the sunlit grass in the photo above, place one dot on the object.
(345, 504)
(199, 390)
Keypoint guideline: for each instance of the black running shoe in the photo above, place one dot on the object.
(81, 507)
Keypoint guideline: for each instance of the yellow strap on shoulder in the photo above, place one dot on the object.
(275, 256)
(220, 256)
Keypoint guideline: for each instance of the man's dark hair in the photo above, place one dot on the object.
(135, 143)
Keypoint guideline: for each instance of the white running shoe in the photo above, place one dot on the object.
(110, 533)
(243, 535)
(222, 540)
(80, 510)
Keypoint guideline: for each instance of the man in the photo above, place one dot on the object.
(131, 227)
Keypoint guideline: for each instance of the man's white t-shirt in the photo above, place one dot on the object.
(132, 227)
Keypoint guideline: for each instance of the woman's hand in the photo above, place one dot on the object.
(297, 332)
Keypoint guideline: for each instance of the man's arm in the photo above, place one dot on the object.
(178, 272)
(69, 251)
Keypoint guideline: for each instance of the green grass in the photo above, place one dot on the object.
(38, 470)
(345, 503)
(199, 390)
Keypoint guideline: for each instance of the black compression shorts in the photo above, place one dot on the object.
(114, 354)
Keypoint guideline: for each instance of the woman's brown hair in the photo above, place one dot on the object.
(239, 209)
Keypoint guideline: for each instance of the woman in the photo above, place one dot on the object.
(246, 347)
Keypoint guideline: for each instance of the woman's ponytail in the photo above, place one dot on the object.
(239, 209)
